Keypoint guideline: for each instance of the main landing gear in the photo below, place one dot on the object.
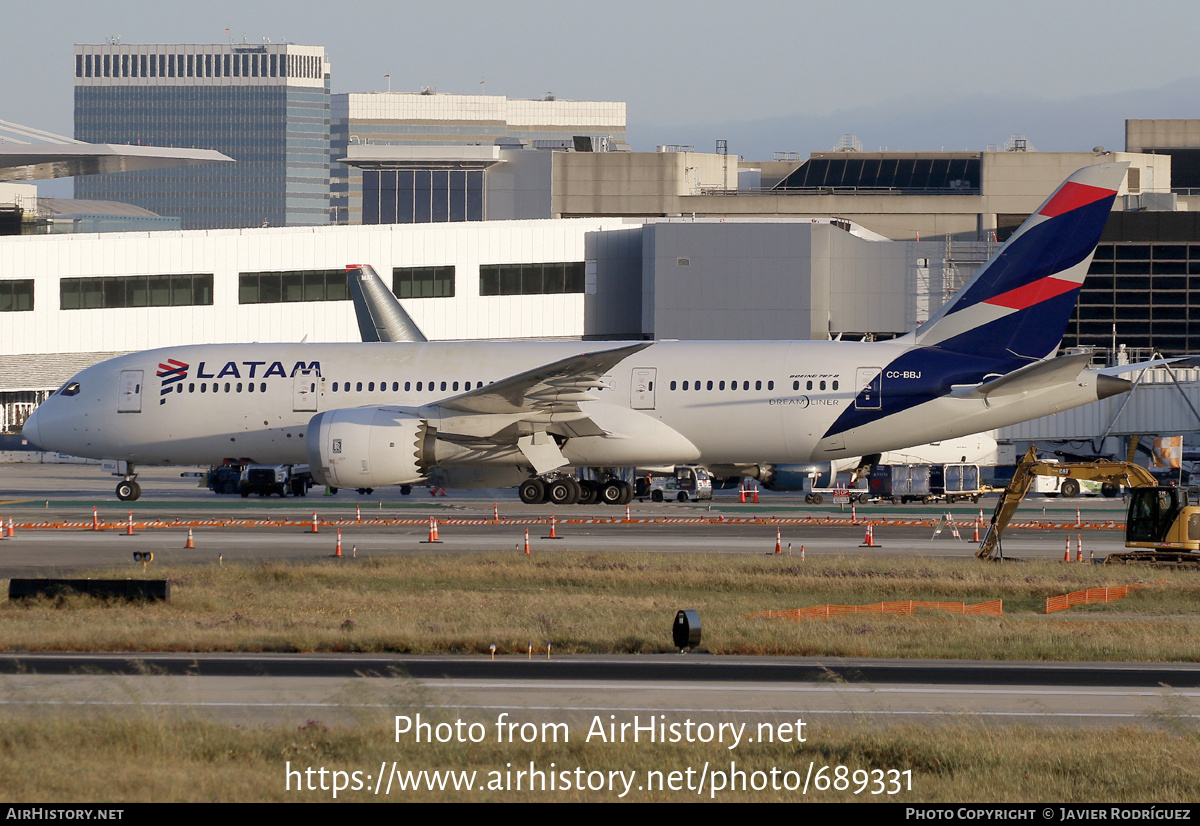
(567, 490)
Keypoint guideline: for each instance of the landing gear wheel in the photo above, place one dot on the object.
(626, 493)
(532, 492)
(128, 490)
(612, 493)
(561, 491)
(589, 492)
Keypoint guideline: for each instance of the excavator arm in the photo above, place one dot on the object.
(1119, 473)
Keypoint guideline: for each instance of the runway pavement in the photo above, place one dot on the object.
(289, 689)
(56, 494)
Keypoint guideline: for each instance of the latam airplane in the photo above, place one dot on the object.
(490, 414)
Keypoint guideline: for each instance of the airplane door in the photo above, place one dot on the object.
(129, 392)
(641, 390)
(304, 391)
(869, 388)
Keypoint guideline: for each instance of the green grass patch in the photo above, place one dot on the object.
(624, 603)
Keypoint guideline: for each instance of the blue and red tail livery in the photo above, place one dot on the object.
(1023, 297)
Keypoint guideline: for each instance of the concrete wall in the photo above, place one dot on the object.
(736, 280)
(1159, 133)
(634, 183)
(520, 186)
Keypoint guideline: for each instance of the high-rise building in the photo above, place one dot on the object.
(264, 105)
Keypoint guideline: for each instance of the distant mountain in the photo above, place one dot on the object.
(928, 125)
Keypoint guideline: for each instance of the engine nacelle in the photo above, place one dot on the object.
(369, 447)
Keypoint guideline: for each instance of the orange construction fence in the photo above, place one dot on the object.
(994, 608)
(1091, 595)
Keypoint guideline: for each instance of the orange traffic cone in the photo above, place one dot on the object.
(314, 527)
(742, 495)
(801, 553)
(11, 528)
(627, 519)
(552, 535)
(1067, 554)
(527, 542)
(129, 525)
(433, 533)
(358, 513)
(755, 499)
(95, 519)
(338, 549)
(495, 512)
(869, 540)
(778, 542)
(1078, 547)
(191, 543)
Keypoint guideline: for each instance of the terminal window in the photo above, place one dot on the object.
(531, 279)
(120, 291)
(423, 282)
(292, 285)
(16, 296)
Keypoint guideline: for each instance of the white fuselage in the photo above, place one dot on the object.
(744, 401)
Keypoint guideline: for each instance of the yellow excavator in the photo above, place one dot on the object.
(1161, 525)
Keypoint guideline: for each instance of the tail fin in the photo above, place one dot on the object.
(1022, 298)
(380, 316)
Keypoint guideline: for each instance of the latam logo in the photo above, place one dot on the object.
(171, 373)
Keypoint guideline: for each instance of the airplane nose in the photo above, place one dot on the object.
(30, 429)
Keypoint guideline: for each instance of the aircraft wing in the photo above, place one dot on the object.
(524, 409)
(557, 387)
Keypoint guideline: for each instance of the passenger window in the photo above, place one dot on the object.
(395, 386)
(835, 384)
(721, 386)
(262, 388)
(407, 386)
(808, 385)
(770, 385)
(672, 385)
(710, 384)
(358, 387)
(250, 387)
(443, 385)
(239, 387)
(418, 385)
(455, 387)
(795, 385)
(685, 385)
(822, 385)
(745, 385)
(758, 385)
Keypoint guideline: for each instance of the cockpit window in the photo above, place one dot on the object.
(71, 388)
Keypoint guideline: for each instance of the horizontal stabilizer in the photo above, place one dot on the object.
(1031, 377)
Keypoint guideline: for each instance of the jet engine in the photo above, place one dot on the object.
(369, 447)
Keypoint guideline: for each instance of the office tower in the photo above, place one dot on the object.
(264, 105)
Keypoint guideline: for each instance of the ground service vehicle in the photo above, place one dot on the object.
(282, 479)
(687, 482)
(1161, 525)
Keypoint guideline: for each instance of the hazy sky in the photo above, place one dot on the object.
(686, 69)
